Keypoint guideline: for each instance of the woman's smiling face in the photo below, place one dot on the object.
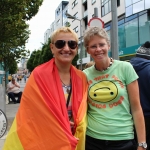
(64, 54)
(98, 48)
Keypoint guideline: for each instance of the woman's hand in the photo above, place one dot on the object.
(72, 124)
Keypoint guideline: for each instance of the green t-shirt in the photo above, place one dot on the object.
(109, 116)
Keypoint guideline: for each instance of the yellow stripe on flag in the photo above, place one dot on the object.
(12, 139)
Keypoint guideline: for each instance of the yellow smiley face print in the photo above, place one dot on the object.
(103, 91)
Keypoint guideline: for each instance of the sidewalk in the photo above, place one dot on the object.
(11, 110)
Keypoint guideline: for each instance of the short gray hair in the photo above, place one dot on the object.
(92, 31)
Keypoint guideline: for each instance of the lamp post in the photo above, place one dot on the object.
(114, 30)
(73, 17)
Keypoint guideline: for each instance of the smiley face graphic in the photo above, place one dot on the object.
(103, 91)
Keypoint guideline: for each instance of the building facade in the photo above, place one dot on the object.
(60, 19)
(2, 74)
(46, 35)
(133, 23)
(59, 14)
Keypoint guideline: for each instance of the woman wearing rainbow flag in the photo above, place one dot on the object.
(52, 113)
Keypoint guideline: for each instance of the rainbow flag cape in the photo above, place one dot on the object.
(41, 122)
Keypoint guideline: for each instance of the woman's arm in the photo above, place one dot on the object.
(17, 85)
(10, 86)
(137, 113)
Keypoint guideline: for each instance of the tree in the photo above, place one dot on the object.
(12, 15)
(36, 58)
(46, 52)
(30, 65)
(39, 56)
(13, 67)
(14, 29)
(74, 62)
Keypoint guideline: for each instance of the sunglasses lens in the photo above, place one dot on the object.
(60, 44)
(72, 44)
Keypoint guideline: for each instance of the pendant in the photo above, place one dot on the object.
(67, 90)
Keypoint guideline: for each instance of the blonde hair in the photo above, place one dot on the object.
(64, 30)
(89, 64)
(92, 31)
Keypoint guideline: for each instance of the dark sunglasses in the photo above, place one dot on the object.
(61, 43)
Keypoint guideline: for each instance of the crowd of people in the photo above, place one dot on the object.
(18, 77)
(99, 108)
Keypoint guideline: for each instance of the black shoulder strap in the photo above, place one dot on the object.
(68, 99)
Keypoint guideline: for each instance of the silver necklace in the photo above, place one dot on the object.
(111, 61)
(66, 86)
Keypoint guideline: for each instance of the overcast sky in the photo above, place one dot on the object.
(40, 23)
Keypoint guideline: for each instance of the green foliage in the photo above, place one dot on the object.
(14, 29)
(30, 61)
(74, 62)
(67, 24)
(13, 67)
(36, 58)
(46, 52)
(39, 56)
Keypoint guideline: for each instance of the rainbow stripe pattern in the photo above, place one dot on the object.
(41, 122)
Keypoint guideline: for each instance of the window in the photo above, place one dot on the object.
(128, 2)
(75, 15)
(58, 11)
(102, 9)
(106, 6)
(147, 4)
(131, 32)
(118, 3)
(134, 1)
(74, 3)
(58, 22)
(93, 1)
(135, 6)
(121, 36)
(76, 29)
(129, 11)
(144, 28)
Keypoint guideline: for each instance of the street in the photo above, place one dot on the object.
(11, 110)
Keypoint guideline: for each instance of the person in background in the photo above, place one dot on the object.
(13, 90)
(141, 64)
(52, 113)
(25, 77)
(89, 64)
(9, 77)
(113, 98)
(20, 78)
